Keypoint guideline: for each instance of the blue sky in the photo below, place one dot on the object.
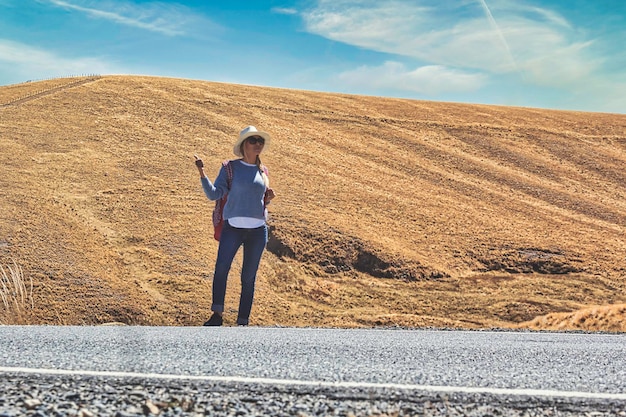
(553, 54)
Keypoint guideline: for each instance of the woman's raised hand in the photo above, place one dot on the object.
(199, 162)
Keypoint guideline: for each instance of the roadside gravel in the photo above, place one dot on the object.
(86, 396)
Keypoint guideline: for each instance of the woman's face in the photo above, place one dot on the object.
(253, 146)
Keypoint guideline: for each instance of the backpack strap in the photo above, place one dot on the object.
(229, 173)
(218, 219)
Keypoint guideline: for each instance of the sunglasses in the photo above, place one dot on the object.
(253, 140)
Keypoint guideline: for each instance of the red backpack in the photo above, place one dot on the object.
(218, 211)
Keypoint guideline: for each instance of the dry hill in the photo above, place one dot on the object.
(389, 211)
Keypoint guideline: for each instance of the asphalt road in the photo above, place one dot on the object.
(312, 371)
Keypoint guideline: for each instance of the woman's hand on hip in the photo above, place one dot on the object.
(269, 195)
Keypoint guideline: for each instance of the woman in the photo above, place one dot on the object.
(244, 220)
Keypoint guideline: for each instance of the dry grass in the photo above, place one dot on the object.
(16, 295)
(599, 318)
(389, 211)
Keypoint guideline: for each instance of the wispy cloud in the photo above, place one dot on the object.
(169, 19)
(430, 79)
(538, 43)
(386, 26)
(284, 10)
(463, 37)
(36, 63)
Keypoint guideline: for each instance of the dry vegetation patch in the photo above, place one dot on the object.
(16, 295)
(610, 318)
(389, 211)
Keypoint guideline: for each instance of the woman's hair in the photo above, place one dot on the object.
(266, 179)
(259, 165)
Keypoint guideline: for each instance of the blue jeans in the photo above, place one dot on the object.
(253, 241)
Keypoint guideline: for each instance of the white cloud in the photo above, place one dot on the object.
(601, 94)
(386, 26)
(36, 63)
(537, 42)
(430, 79)
(165, 18)
(562, 67)
(284, 10)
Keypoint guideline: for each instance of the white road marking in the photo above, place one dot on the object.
(273, 381)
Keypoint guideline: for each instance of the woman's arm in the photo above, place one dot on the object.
(212, 191)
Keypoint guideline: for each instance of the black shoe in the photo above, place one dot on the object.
(215, 320)
(242, 322)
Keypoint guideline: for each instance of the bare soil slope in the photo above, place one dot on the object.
(389, 211)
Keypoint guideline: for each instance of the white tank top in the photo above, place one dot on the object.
(245, 222)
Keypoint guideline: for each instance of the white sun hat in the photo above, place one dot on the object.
(245, 134)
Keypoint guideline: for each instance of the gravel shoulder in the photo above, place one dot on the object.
(48, 395)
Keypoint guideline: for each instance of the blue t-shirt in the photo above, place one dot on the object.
(247, 192)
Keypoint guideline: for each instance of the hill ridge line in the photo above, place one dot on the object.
(42, 93)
